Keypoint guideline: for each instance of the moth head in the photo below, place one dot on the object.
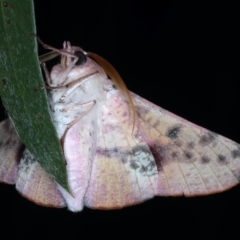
(66, 60)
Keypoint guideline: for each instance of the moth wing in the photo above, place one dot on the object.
(19, 167)
(78, 145)
(191, 160)
(166, 155)
(124, 171)
(11, 149)
(35, 184)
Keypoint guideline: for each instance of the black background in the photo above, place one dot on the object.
(179, 55)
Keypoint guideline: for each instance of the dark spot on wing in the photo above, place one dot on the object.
(143, 169)
(140, 157)
(205, 159)
(9, 21)
(103, 151)
(175, 154)
(173, 132)
(236, 153)
(151, 165)
(188, 155)
(191, 145)
(141, 111)
(114, 87)
(13, 6)
(5, 4)
(206, 139)
(26, 161)
(221, 158)
(115, 150)
(134, 165)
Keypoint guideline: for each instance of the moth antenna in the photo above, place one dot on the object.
(59, 51)
(116, 78)
(48, 56)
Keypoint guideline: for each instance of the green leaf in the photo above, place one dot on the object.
(20, 81)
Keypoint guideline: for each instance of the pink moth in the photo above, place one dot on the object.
(120, 149)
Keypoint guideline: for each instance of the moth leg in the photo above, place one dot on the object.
(79, 106)
(47, 74)
(50, 88)
(48, 79)
(92, 103)
(73, 85)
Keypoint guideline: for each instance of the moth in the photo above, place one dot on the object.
(120, 149)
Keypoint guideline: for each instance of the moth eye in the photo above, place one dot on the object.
(81, 58)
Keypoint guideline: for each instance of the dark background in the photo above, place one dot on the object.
(179, 55)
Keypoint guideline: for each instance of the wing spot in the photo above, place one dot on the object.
(236, 153)
(143, 169)
(141, 111)
(115, 150)
(205, 159)
(221, 158)
(151, 165)
(188, 155)
(191, 145)
(134, 165)
(206, 139)
(175, 154)
(173, 132)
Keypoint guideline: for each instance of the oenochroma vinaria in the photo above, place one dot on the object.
(119, 148)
